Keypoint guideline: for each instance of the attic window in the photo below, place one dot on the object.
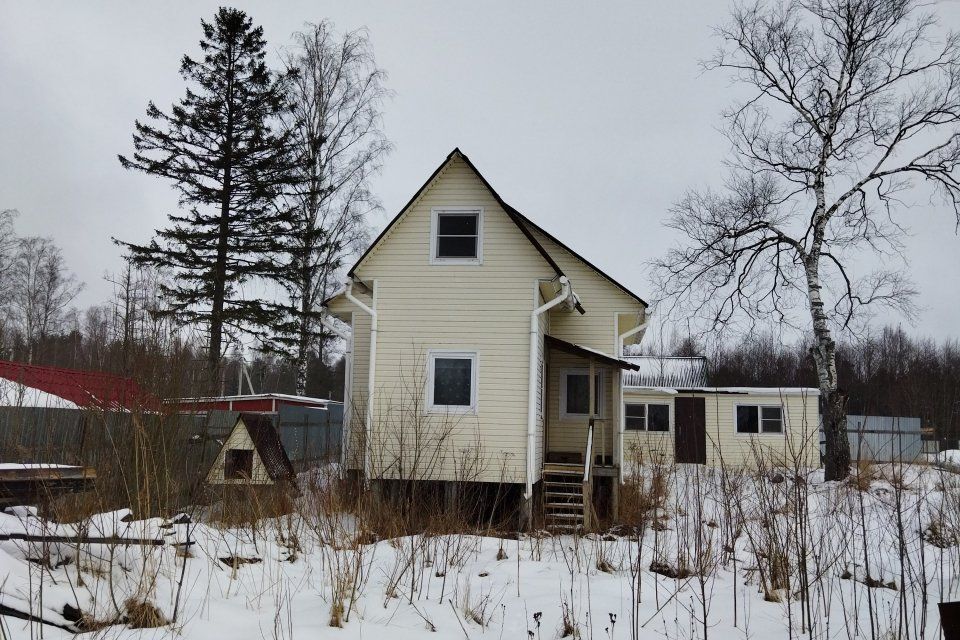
(456, 236)
(238, 464)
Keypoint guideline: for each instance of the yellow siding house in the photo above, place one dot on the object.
(483, 349)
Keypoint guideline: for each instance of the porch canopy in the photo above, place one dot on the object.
(552, 342)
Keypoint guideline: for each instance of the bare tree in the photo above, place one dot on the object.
(847, 104)
(336, 93)
(8, 250)
(137, 310)
(42, 290)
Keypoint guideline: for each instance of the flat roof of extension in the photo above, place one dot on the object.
(254, 396)
(752, 391)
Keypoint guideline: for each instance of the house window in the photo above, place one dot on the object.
(452, 381)
(639, 416)
(238, 464)
(456, 236)
(753, 418)
(575, 394)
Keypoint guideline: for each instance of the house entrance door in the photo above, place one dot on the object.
(690, 421)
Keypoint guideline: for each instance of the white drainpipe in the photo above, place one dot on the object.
(371, 377)
(623, 420)
(565, 292)
(347, 337)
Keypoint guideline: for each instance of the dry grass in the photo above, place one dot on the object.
(244, 505)
(142, 614)
(645, 490)
(865, 473)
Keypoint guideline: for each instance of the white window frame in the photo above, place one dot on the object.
(599, 401)
(646, 416)
(474, 358)
(434, 218)
(760, 407)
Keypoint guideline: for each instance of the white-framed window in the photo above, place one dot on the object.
(456, 235)
(646, 416)
(758, 419)
(452, 381)
(575, 394)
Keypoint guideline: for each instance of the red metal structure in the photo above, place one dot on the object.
(88, 389)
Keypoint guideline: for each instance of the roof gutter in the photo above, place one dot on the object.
(372, 370)
(621, 339)
(566, 293)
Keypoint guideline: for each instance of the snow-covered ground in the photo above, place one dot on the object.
(757, 558)
(949, 459)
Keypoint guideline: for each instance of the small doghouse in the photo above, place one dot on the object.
(252, 455)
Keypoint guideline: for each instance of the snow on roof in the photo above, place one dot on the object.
(254, 396)
(14, 394)
(663, 371)
(752, 391)
(16, 466)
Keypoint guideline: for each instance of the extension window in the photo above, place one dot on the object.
(759, 419)
(646, 416)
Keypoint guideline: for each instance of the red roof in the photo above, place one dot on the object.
(83, 388)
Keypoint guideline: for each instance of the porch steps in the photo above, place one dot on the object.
(563, 497)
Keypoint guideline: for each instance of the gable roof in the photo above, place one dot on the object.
(523, 223)
(267, 442)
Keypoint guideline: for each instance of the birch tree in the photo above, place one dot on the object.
(334, 126)
(42, 291)
(8, 250)
(850, 108)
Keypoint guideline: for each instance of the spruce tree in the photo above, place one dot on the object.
(221, 148)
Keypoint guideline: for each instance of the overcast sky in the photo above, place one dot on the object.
(592, 122)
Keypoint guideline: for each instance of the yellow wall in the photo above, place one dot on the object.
(798, 443)
(602, 300)
(569, 435)
(483, 308)
(239, 438)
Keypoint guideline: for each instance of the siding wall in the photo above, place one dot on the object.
(483, 308)
(570, 435)
(601, 299)
(239, 439)
(543, 329)
(724, 445)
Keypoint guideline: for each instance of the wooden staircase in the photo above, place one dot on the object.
(566, 498)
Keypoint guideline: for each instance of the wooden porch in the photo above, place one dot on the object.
(582, 435)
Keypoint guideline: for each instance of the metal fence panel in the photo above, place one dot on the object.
(884, 438)
(310, 435)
